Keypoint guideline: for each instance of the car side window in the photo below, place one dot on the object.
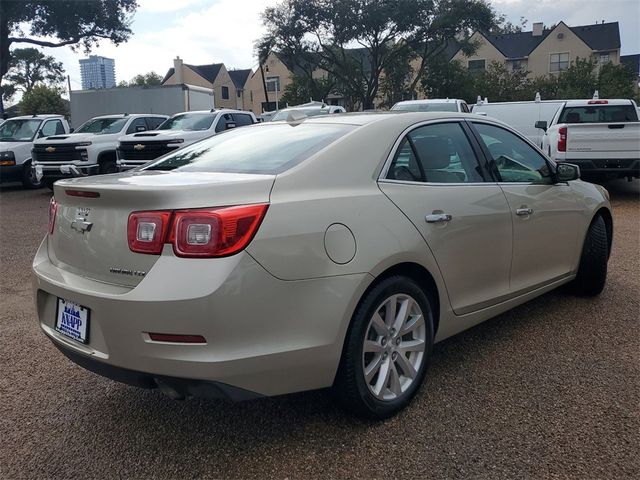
(222, 122)
(513, 158)
(439, 153)
(52, 127)
(242, 119)
(138, 125)
(154, 122)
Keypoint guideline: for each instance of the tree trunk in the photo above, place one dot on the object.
(264, 85)
(4, 50)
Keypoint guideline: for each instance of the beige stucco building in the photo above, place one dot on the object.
(545, 51)
(228, 85)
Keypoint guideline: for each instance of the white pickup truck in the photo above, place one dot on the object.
(16, 141)
(602, 137)
(90, 150)
(179, 131)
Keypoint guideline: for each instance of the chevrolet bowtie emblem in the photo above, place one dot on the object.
(81, 225)
(138, 146)
(50, 149)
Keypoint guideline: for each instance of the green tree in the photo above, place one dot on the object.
(29, 67)
(445, 79)
(42, 99)
(323, 32)
(616, 81)
(61, 22)
(502, 84)
(146, 80)
(580, 80)
(301, 90)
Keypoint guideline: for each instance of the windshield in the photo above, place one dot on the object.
(188, 121)
(599, 114)
(19, 130)
(309, 112)
(266, 149)
(425, 107)
(102, 126)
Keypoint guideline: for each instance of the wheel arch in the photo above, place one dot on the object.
(605, 213)
(106, 155)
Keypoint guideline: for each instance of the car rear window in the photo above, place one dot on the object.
(599, 114)
(261, 149)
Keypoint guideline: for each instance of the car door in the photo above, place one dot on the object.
(546, 215)
(435, 179)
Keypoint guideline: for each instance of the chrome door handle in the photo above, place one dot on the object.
(524, 211)
(438, 218)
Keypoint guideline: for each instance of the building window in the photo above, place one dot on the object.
(558, 62)
(225, 93)
(519, 65)
(273, 84)
(239, 93)
(604, 58)
(476, 66)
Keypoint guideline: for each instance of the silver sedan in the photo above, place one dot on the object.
(322, 252)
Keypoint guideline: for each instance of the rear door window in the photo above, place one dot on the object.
(137, 125)
(242, 119)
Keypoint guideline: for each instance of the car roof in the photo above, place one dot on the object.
(585, 103)
(43, 116)
(215, 111)
(392, 117)
(128, 115)
(429, 100)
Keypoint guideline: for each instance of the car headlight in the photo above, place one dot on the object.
(175, 140)
(83, 144)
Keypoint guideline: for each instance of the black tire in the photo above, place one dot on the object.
(107, 166)
(592, 271)
(350, 387)
(29, 179)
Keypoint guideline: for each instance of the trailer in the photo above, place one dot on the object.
(162, 99)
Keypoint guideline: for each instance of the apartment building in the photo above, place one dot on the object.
(97, 72)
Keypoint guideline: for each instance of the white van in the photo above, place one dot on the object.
(521, 115)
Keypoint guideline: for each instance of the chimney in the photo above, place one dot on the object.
(177, 67)
(537, 29)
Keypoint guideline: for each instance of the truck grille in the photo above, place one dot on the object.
(143, 151)
(57, 153)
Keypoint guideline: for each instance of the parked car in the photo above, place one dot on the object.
(90, 150)
(178, 131)
(327, 252)
(310, 109)
(521, 115)
(16, 141)
(601, 136)
(432, 105)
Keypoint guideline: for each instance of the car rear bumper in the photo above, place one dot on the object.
(610, 167)
(263, 335)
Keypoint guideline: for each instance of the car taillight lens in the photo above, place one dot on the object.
(53, 210)
(215, 232)
(146, 231)
(200, 233)
(562, 139)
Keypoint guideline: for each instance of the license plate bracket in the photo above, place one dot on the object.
(72, 320)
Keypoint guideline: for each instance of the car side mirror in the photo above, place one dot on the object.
(542, 125)
(141, 128)
(230, 125)
(565, 172)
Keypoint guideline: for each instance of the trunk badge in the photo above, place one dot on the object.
(80, 223)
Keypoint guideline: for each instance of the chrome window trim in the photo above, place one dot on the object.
(396, 144)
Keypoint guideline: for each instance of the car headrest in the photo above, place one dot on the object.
(573, 117)
(434, 152)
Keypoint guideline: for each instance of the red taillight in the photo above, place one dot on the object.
(53, 209)
(176, 338)
(215, 232)
(200, 233)
(598, 102)
(562, 139)
(147, 231)
(82, 193)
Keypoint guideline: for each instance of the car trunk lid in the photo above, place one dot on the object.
(90, 232)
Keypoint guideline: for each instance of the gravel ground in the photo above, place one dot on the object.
(548, 390)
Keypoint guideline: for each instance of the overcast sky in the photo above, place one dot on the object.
(213, 31)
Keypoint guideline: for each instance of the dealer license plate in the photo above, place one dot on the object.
(72, 320)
